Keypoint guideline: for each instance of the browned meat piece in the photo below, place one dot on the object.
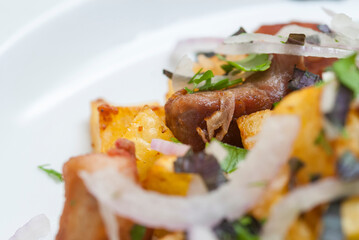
(186, 112)
(81, 217)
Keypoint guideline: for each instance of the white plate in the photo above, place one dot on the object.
(51, 71)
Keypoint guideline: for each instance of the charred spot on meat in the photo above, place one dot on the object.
(196, 118)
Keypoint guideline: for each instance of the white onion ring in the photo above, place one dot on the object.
(194, 45)
(38, 227)
(152, 209)
(201, 233)
(169, 148)
(280, 48)
(303, 199)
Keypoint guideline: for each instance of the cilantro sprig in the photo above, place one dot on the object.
(252, 63)
(55, 175)
(348, 73)
(234, 156)
(208, 85)
(137, 232)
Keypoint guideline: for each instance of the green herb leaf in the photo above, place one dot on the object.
(323, 142)
(175, 140)
(208, 85)
(348, 73)
(252, 63)
(55, 175)
(137, 232)
(235, 155)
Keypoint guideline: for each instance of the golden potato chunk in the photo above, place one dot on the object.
(250, 125)
(350, 218)
(317, 159)
(162, 178)
(109, 123)
(146, 126)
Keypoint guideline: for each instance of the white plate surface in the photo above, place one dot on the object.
(51, 71)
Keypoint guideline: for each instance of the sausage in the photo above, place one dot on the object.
(186, 112)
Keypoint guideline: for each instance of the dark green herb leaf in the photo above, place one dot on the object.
(338, 115)
(348, 73)
(240, 31)
(175, 140)
(252, 63)
(167, 73)
(295, 164)
(302, 79)
(203, 164)
(296, 38)
(314, 177)
(137, 232)
(235, 155)
(246, 228)
(332, 228)
(194, 76)
(348, 166)
(323, 142)
(55, 175)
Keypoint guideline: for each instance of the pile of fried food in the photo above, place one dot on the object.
(268, 155)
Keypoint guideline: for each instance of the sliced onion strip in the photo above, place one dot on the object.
(152, 209)
(303, 199)
(169, 148)
(38, 227)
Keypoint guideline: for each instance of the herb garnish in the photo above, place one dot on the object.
(208, 85)
(302, 79)
(252, 63)
(175, 140)
(235, 155)
(322, 141)
(246, 228)
(55, 175)
(137, 232)
(348, 73)
(348, 166)
(240, 31)
(167, 73)
(295, 164)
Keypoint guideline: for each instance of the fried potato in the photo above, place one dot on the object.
(351, 141)
(146, 126)
(95, 125)
(108, 123)
(81, 217)
(299, 231)
(350, 218)
(305, 103)
(250, 125)
(162, 178)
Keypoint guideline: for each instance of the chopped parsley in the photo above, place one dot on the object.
(175, 140)
(208, 85)
(252, 63)
(235, 155)
(137, 232)
(348, 73)
(296, 39)
(322, 141)
(55, 175)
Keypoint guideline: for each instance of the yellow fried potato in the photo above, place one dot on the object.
(299, 231)
(305, 103)
(146, 126)
(351, 141)
(113, 123)
(250, 125)
(162, 178)
(350, 218)
(95, 125)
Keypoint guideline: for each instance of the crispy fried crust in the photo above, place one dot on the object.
(81, 218)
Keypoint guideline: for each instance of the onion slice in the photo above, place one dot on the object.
(194, 45)
(152, 209)
(303, 199)
(38, 227)
(201, 233)
(169, 148)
